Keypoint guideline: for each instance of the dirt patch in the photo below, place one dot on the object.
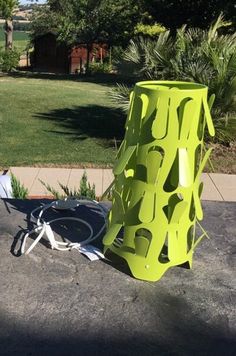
(69, 166)
(223, 159)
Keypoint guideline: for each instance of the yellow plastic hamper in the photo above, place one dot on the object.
(157, 188)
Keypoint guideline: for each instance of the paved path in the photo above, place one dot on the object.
(217, 187)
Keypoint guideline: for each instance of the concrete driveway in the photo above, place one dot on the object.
(59, 303)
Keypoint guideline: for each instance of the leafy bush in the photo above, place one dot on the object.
(99, 68)
(149, 30)
(9, 60)
(18, 189)
(197, 55)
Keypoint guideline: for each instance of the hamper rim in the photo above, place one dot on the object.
(197, 86)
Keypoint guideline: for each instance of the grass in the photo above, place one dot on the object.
(60, 121)
(20, 39)
(57, 122)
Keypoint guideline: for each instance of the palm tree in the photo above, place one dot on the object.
(203, 56)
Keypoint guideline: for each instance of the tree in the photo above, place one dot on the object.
(174, 13)
(7, 8)
(43, 21)
(91, 21)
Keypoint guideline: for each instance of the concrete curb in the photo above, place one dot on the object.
(217, 187)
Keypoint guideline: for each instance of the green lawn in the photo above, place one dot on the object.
(20, 39)
(57, 122)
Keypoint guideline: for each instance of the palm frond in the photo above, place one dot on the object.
(219, 23)
(120, 96)
(197, 55)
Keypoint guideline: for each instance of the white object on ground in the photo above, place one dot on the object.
(5, 187)
(92, 252)
(43, 228)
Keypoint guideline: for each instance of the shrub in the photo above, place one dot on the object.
(18, 189)
(97, 67)
(120, 96)
(85, 190)
(197, 55)
(149, 30)
(9, 60)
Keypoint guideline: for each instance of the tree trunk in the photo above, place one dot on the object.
(110, 58)
(8, 34)
(101, 55)
(89, 48)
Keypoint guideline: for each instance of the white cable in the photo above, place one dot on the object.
(44, 227)
(35, 242)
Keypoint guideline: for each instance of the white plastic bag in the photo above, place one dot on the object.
(5, 187)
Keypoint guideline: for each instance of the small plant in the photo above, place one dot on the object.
(51, 190)
(108, 194)
(69, 192)
(85, 190)
(9, 60)
(120, 96)
(100, 68)
(18, 189)
(151, 31)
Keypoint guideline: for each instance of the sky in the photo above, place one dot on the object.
(23, 2)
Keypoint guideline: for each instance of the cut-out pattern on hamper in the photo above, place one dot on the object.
(157, 189)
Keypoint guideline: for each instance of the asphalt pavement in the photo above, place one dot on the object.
(60, 303)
